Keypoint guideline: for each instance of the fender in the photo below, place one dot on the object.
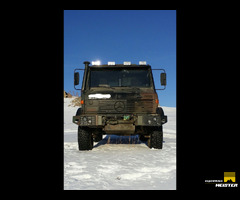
(160, 111)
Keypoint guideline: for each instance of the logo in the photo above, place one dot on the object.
(119, 106)
(229, 180)
(230, 177)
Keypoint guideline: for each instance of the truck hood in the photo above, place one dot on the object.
(120, 101)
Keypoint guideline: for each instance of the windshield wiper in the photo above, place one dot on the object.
(101, 86)
(127, 87)
(104, 85)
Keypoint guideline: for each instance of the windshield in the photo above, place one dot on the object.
(119, 78)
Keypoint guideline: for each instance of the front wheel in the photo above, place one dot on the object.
(85, 139)
(156, 139)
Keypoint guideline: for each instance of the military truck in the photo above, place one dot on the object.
(119, 99)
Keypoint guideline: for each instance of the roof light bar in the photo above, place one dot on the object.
(142, 63)
(111, 63)
(97, 62)
(127, 63)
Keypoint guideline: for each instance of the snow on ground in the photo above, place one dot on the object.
(119, 162)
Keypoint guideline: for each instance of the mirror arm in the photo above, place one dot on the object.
(160, 69)
(162, 88)
(76, 88)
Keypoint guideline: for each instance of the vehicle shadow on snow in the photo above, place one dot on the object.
(115, 139)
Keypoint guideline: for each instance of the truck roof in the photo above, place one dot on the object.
(118, 65)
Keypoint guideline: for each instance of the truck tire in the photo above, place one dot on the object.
(156, 139)
(85, 139)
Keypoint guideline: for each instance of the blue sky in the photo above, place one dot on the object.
(122, 35)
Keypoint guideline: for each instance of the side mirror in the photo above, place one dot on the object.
(76, 78)
(163, 79)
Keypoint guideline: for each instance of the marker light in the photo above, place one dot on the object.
(142, 62)
(111, 63)
(97, 62)
(127, 63)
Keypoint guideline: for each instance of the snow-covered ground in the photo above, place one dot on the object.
(119, 162)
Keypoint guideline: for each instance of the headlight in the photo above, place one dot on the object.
(87, 120)
(152, 120)
(142, 62)
(126, 63)
(111, 63)
(97, 62)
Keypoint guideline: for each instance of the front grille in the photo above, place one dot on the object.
(126, 106)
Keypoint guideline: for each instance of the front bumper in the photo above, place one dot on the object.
(103, 120)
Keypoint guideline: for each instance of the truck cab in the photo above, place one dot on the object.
(119, 99)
